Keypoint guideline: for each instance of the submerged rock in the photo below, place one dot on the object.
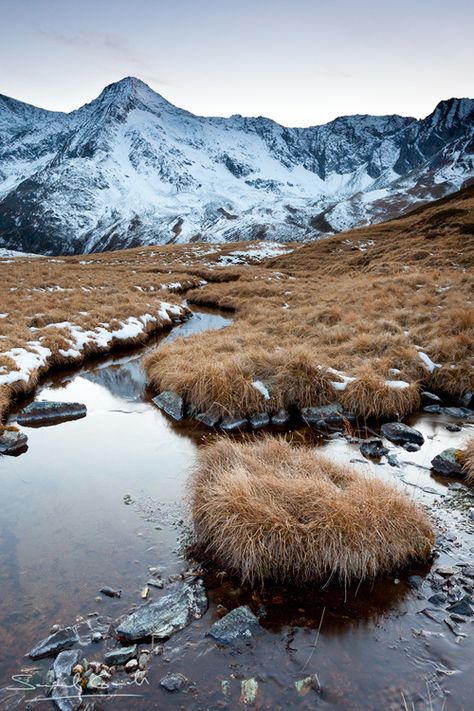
(173, 682)
(373, 449)
(248, 691)
(448, 462)
(239, 623)
(461, 413)
(171, 403)
(183, 603)
(43, 412)
(231, 424)
(63, 639)
(452, 427)
(66, 697)
(122, 655)
(433, 409)
(309, 683)
(12, 442)
(462, 607)
(259, 420)
(110, 592)
(399, 433)
(65, 662)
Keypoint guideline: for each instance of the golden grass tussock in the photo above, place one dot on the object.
(468, 460)
(268, 510)
(369, 396)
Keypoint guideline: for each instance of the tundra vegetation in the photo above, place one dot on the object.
(266, 509)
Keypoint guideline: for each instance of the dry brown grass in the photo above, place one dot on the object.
(468, 460)
(364, 302)
(267, 510)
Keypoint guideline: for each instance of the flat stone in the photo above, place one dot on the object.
(122, 655)
(210, 418)
(66, 697)
(433, 408)
(461, 607)
(183, 603)
(96, 683)
(42, 412)
(373, 449)
(411, 447)
(281, 418)
(231, 424)
(12, 442)
(399, 433)
(259, 420)
(64, 663)
(173, 682)
(239, 623)
(171, 403)
(415, 582)
(48, 647)
(438, 599)
(461, 413)
(448, 462)
(446, 571)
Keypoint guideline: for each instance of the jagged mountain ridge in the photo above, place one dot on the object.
(130, 168)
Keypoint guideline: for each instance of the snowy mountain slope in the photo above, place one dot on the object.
(130, 168)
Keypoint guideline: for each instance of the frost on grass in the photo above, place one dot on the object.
(267, 510)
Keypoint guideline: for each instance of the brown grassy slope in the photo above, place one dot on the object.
(268, 510)
(364, 302)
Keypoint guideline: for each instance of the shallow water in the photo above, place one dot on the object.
(66, 530)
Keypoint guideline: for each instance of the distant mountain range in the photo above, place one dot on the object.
(130, 169)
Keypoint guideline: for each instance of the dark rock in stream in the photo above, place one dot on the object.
(435, 409)
(259, 420)
(438, 599)
(462, 607)
(448, 462)
(43, 412)
(373, 449)
(239, 623)
(281, 418)
(232, 424)
(63, 639)
(183, 603)
(173, 682)
(12, 442)
(122, 655)
(461, 413)
(324, 416)
(171, 403)
(65, 696)
(399, 433)
(64, 663)
(428, 398)
(110, 592)
(451, 427)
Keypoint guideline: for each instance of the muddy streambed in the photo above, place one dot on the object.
(98, 501)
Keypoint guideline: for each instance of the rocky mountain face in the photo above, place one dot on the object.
(130, 168)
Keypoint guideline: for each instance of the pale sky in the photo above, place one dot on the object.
(301, 63)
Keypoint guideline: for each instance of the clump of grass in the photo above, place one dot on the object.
(268, 510)
(370, 396)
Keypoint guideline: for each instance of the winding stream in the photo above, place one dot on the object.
(98, 501)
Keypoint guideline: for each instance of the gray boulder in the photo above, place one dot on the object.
(210, 418)
(324, 415)
(12, 442)
(43, 412)
(240, 623)
(460, 413)
(171, 403)
(183, 603)
(448, 462)
(399, 433)
(428, 398)
(64, 663)
(48, 647)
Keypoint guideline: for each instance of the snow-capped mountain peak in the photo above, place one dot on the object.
(131, 168)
